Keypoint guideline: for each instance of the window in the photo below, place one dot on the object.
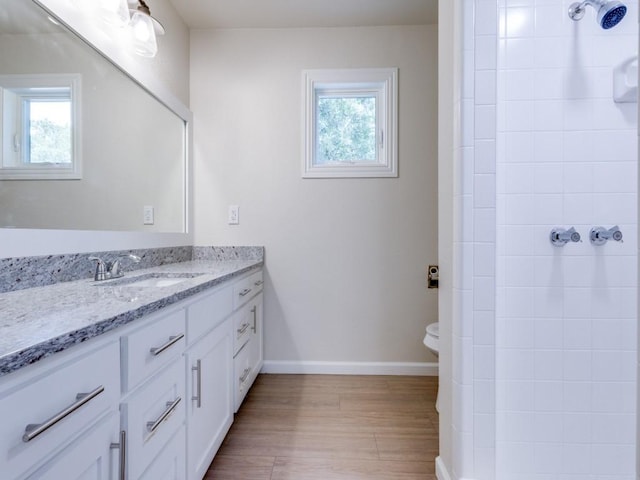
(39, 127)
(350, 123)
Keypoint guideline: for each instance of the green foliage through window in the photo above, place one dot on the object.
(50, 132)
(346, 129)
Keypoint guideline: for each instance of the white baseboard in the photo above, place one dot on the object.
(426, 369)
(441, 470)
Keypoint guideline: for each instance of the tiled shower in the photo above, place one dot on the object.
(545, 337)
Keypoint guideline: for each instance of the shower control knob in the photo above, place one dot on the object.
(560, 237)
(600, 235)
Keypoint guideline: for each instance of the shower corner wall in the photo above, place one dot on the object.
(544, 338)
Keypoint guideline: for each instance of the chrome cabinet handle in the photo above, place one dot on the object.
(32, 430)
(198, 396)
(122, 446)
(257, 283)
(155, 351)
(245, 292)
(254, 310)
(245, 374)
(171, 406)
(243, 329)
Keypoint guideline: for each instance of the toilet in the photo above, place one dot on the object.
(432, 338)
(432, 342)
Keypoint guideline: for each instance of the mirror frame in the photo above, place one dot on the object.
(34, 242)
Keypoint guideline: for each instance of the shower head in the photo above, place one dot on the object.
(610, 12)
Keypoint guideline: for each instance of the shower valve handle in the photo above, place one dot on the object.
(600, 235)
(560, 237)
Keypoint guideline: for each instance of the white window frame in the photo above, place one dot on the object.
(32, 86)
(379, 82)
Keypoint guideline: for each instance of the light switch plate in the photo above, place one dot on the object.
(234, 215)
(147, 216)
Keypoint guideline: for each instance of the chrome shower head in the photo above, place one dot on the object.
(610, 12)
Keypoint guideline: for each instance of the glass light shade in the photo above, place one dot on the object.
(144, 36)
(115, 12)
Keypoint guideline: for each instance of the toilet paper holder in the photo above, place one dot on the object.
(433, 275)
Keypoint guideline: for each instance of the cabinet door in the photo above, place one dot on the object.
(256, 342)
(90, 457)
(170, 463)
(210, 411)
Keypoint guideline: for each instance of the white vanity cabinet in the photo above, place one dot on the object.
(152, 400)
(90, 457)
(248, 338)
(209, 376)
(153, 382)
(48, 408)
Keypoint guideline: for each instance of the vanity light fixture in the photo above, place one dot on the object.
(144, 29)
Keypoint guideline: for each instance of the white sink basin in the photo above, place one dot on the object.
(151, 280)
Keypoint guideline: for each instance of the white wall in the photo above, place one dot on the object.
(345, 258)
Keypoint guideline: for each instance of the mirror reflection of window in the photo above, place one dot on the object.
(39, 130)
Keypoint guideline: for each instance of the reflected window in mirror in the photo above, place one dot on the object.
(40, 127)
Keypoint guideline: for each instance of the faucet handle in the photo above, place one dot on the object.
(102, 271)
(116, 269)
(560, 237)
(600, 235)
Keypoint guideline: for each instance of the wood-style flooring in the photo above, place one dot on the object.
(332, 427)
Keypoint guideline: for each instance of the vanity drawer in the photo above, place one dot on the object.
(242, 377)
(153, 416)
(56, 399)
(151, 347)
(242, 328)
(207, 312)
(246, 288)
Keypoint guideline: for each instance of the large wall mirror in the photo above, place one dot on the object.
(83, 146)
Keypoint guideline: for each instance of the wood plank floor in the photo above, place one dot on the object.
(332, 427)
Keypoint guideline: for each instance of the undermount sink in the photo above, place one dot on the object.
(152, 280)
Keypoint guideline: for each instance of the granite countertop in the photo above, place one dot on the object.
(38, 322)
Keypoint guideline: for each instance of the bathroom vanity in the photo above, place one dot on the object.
(134, 378)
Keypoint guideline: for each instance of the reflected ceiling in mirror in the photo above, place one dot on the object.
(131, 147)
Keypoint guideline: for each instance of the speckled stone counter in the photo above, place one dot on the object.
(38, 322)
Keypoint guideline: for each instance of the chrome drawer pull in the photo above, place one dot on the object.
(243, 329)
(245, 292)
(257, 283)
(198, 396)
(245, 374)
(122, 446)
(171, 406)
(32, 430)
(254, 310)
(155, 351)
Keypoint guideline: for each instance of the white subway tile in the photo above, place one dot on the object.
(548, 428)
(520, 53)
(576, 427)
(519, 147)
(485, 156)
(548, 334)
(614, 397)
(577, 397)
(612, 429)
(486, 47)
(548, 369)
(519, 116)
(576, 365)
(578, 177)
(548, 115)
(615, 177)
(548, 146)
(548, 178)
(576, 458)
(519, 395)
(485, 87)
(548, 83)
(519, 85)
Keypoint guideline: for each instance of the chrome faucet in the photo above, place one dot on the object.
(600, 235)
(107, 270)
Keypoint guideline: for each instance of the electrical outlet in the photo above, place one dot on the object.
(234, 215)
(147, 215)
